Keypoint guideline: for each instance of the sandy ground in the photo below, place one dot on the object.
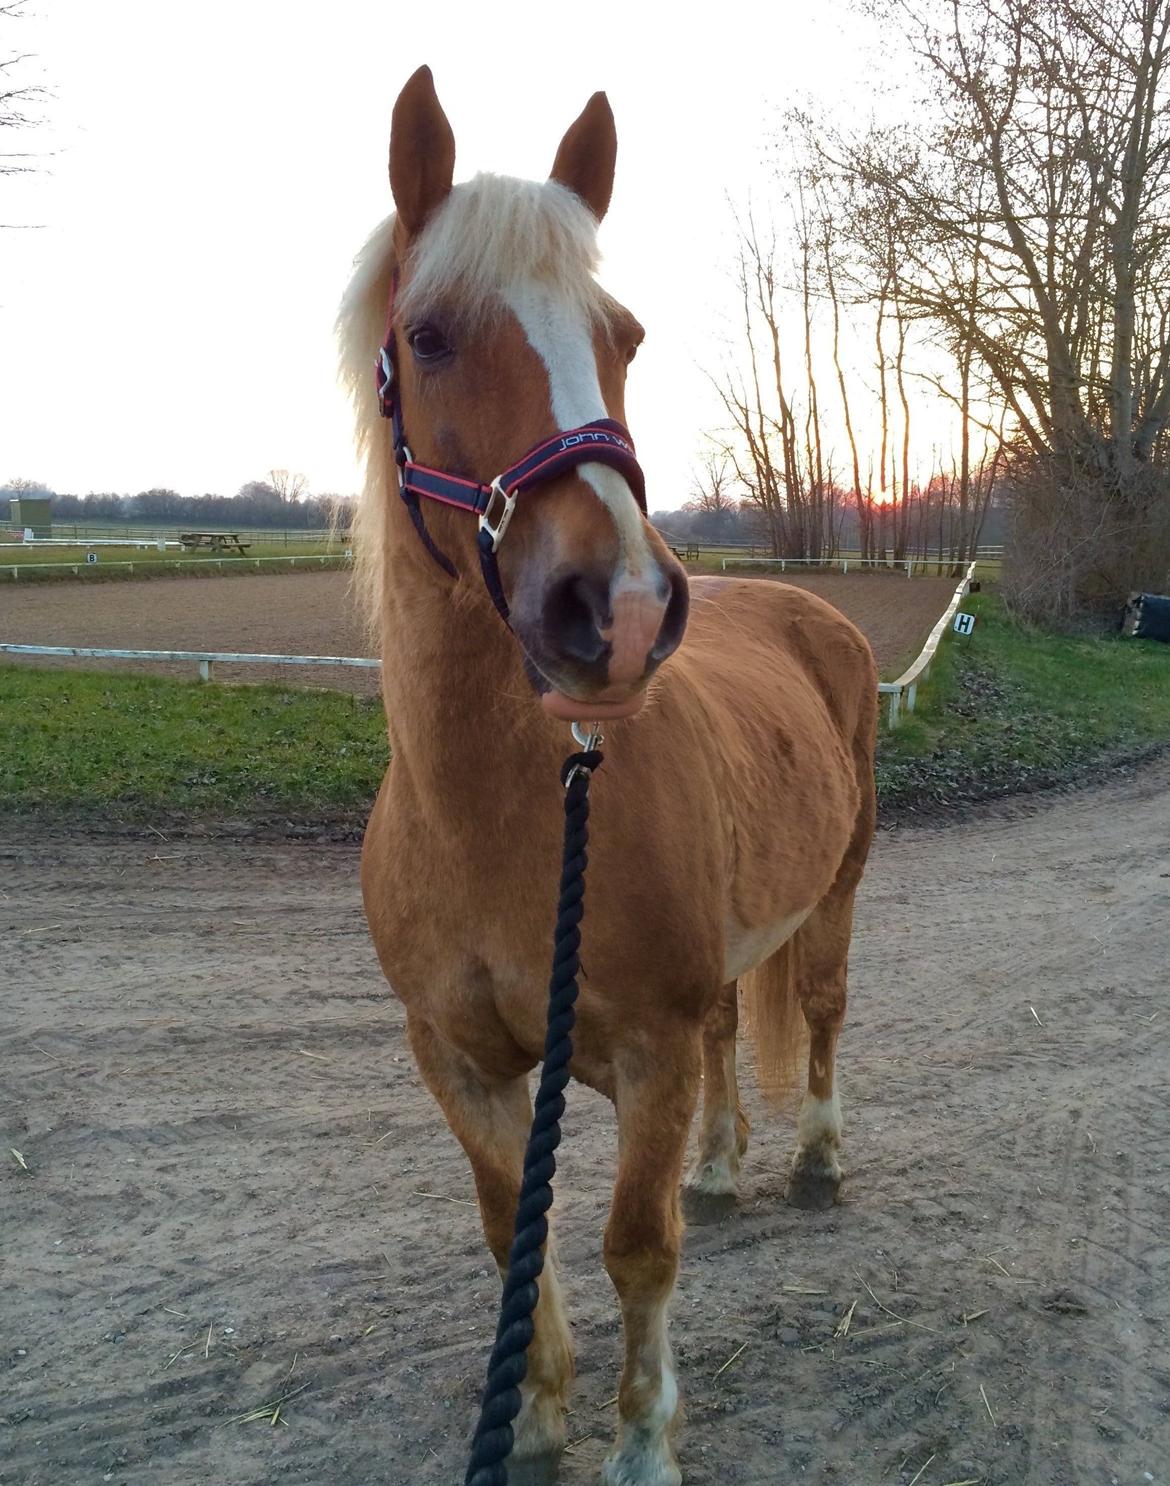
(313, 614)
(237, 1187)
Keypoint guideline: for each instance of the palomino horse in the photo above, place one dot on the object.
(733, 816)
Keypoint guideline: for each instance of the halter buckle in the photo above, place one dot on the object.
(385, 379)
(508, 505)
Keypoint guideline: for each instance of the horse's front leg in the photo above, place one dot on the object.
(655, 1097)
(490, 1117)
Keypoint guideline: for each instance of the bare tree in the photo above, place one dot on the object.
(1048, 172)
(775, 443)
(862, 506)
(714, 481)
(1026, 220)
(17, 100)
(288, 486)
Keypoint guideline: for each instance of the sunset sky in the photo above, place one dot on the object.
(168, 282)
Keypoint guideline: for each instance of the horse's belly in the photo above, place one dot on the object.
(745, 948)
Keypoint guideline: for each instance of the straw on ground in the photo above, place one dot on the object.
(738, 1351)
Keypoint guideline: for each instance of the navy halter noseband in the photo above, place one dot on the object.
(604, 441)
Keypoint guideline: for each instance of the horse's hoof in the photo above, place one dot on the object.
(538, 1470)
(814, 1191)
(701, 1208)
(641, 1468)
(539, 1433)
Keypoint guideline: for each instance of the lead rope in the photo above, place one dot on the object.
(508, 1364)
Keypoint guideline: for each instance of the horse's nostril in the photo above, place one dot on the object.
(674, 621)
(573, 614)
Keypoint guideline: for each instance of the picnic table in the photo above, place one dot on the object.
(217, 541)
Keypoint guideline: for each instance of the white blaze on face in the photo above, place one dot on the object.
(561, 335)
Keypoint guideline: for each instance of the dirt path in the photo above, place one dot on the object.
(313, 614)
(238, 1188)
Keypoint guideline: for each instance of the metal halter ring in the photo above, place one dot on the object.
(588, 735)
(496, 532)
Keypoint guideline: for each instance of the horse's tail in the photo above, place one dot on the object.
(776, 1022)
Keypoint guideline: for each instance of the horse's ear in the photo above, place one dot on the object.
(422, 152)
(588, 154)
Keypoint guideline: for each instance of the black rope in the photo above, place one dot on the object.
(492, 1443)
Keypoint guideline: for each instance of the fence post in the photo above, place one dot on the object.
(844, 566)
(205, 670)
(895, 699)
(912, 696)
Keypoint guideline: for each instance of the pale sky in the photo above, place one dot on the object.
(216, 166)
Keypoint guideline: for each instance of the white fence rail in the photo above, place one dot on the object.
(173, 565)
(204, 659)
(160, 544)
(822, 562)
(903, 693)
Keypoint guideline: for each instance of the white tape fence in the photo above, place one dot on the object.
(204, 659)
(903, 693)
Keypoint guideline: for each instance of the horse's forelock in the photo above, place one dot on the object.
(495, 232)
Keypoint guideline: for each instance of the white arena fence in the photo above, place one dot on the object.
(160, 544)
(175, 565)
(844, 563)
(204, 659)
(902, 694)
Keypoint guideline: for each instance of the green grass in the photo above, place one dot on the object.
(1011, 708)
(132, 747)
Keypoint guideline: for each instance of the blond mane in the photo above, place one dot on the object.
(491, 232)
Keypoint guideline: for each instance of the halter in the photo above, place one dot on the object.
(603, 441)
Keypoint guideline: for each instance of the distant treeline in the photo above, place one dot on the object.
(929, 523)
(257, 503)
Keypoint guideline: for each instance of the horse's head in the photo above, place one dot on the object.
(502, 339)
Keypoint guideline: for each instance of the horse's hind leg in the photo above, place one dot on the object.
(490, 1117)
(820, 952)
(642, 1243)
(723, 1130)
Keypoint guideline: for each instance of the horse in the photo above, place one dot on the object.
(733, 817)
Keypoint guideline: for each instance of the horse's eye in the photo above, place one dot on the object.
(630, 354)
(428, 344)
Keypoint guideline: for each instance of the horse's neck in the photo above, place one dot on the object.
(458, 703)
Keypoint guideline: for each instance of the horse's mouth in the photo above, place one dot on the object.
(572, 709)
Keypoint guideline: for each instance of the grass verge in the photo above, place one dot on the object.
(136, 748)
(1011, 709)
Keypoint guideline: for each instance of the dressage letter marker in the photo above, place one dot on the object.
(964, 624)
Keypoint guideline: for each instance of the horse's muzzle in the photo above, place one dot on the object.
(599, 637)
